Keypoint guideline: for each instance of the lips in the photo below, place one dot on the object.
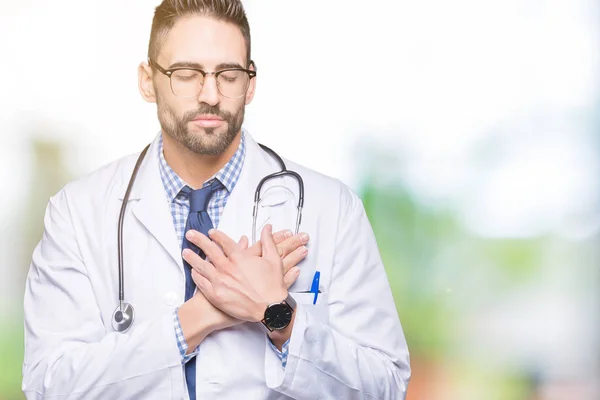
(208, 118)
(208, 121)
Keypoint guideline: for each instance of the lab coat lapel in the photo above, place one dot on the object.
(152, 208)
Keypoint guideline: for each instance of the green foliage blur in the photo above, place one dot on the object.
(439, 272)
(11, 359)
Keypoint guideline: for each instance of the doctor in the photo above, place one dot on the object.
(217, 316)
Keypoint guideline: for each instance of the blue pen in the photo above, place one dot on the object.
(314, 288)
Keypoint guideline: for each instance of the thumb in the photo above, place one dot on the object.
(243, 243)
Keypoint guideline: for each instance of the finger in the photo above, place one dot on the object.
(294, 258)
(268, 246)
(226, 243)
(202, 267)
(210, 248)
(203, 284)
(280, 236)
(243, 243)
(291, 276)
(292, 243)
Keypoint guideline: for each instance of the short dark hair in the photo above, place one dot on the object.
(169, 11)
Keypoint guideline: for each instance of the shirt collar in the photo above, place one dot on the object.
(228, 175)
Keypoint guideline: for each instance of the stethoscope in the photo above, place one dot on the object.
(125, 314)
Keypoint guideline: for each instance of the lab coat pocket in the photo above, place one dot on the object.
(278, 209)
(319, 310)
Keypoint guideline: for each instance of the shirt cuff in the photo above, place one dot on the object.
(181, 343)
(283, 354)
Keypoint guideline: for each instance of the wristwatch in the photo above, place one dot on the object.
(279, 315)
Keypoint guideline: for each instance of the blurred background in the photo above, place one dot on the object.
(471, 130)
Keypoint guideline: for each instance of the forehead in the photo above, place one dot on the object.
(203, 40)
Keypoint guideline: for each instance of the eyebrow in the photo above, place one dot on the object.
(194, 65)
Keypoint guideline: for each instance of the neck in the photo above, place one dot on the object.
(193, 168)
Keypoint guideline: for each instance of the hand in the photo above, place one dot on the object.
(290, 248)
(214, 317)
(237, 282)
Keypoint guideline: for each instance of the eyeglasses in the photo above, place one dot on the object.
(187, 82)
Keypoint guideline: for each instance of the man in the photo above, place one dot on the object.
(214, 318)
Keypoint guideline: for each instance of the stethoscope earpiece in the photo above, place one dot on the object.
(123, 317)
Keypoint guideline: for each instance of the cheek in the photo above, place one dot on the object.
(234, 106)
(172, 109)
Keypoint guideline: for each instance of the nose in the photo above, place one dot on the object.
(209, 93)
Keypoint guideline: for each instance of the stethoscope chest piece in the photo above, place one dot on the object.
(123, 317)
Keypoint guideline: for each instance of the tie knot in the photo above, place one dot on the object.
(199, 198)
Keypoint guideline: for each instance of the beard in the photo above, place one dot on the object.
(211, 142)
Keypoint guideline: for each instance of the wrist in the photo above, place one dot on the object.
(278, 318)
(279, 337)
(262, 306)
(195, 329)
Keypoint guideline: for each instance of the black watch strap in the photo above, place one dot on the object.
(290, 301)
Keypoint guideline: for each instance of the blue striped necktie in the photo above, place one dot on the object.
(199, 220)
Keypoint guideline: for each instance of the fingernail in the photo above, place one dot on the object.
(287, 234)
(304, 237)
(189, 235)
(303, 250)
(211, 231)
(185, 252)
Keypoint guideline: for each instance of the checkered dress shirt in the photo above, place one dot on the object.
(180, 208)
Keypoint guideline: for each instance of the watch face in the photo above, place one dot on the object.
(278, 316)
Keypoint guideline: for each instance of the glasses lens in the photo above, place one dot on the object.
(186, 82)
(233, 84)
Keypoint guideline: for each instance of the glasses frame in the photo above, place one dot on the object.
(169, 73)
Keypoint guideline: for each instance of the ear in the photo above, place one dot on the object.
(145, 83)
(252, 87)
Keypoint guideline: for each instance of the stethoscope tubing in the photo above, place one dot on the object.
(123, 315)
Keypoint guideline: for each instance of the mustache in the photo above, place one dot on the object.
(204, 109)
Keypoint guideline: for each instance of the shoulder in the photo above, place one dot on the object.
(327, 189)
(99, 184)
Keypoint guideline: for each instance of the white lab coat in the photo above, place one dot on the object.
(350, 345)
